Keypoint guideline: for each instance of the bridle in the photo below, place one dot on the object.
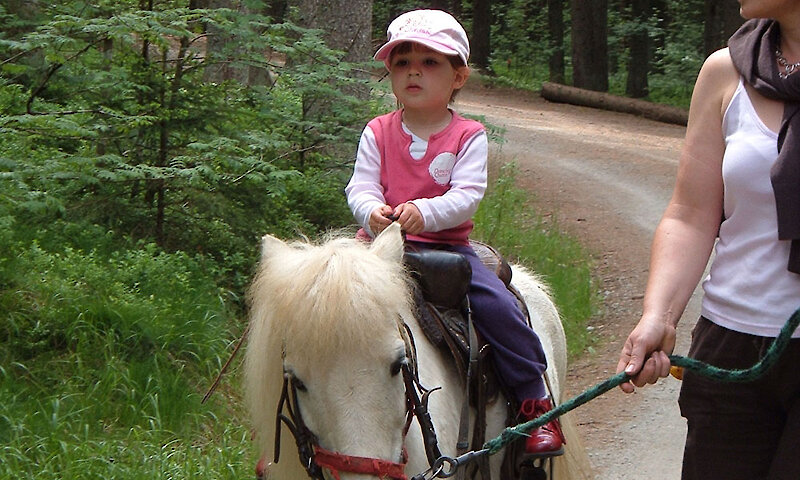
(316, 459)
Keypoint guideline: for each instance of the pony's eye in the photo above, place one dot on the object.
(397, 365)
(294, 382)
(298, 384)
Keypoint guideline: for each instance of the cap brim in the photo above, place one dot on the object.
(385, 51)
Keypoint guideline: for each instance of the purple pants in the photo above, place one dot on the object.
(516, 348)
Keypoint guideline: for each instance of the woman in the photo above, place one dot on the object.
(739, 181)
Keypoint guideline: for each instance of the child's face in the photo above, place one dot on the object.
(424, 79)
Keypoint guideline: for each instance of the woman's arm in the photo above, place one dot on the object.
(685, 236)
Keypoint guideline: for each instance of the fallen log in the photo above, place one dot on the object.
(555, 92)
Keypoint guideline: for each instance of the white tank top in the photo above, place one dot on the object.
(749, 288)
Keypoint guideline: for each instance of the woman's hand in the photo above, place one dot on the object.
(645, 353)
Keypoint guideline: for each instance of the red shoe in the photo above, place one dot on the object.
(547, 439)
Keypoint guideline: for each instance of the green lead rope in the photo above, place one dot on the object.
(737, 375)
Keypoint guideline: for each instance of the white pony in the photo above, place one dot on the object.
(330, 318)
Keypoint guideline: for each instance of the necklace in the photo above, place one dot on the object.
(788, 68)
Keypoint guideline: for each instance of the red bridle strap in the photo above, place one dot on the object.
(336, 462)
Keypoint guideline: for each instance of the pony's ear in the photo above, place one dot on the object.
(389, 243)
(270, 244)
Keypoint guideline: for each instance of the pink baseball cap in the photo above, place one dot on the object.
(435, 29)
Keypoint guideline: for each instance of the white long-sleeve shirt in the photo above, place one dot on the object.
(468, 182)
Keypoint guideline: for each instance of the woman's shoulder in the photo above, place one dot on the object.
(718, 80)
(720, 67)
(720, 64)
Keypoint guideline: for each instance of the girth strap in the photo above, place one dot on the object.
(462, 444)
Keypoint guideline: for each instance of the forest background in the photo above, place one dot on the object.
(145, 146)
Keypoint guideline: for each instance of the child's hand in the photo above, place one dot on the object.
(379, 219)
(410, 218)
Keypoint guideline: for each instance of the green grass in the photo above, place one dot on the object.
(507, 220)
(104, 357)
(46, 444)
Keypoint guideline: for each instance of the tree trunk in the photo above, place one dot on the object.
(577, 96)
(659, 40)
(639, 48)
(25, 11)
(479, 41)
(721, 20)
(276, 10)
(555, 40)
(456, 9)
(222, 68)
(590, 44)
(347, 25)
(731, 20)
(441, 5)
(345, 31)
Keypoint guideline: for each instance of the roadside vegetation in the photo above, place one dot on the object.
(507, 220)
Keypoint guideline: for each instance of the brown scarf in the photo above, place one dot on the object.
(752, 49)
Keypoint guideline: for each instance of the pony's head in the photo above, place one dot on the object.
(329, 317)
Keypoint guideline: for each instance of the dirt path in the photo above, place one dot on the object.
(606, 177)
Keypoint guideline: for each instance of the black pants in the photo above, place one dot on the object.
(747, 431)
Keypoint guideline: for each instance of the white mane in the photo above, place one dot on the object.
(327, 296)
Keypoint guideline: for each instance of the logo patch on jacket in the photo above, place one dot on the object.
(441, 168)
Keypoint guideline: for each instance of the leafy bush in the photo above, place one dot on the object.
(108, 323)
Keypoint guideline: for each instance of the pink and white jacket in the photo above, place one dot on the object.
(445, 177)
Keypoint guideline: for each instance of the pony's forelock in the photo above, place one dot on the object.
(330, 296)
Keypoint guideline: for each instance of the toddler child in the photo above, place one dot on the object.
(425, 166)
